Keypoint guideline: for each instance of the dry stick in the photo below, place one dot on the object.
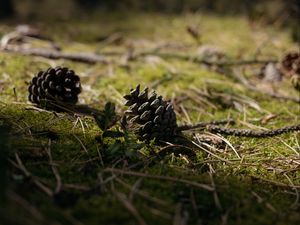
(134, 188)
(128, 205)
(54, 169)
(17, 35)
(26, 205)
(205, 124)
(274, 95)
(81, 143)
(94, 58)
(144, 194)
(30, 208)
(51, 54)
(279, 184)
(296, 191)
(239, 77)
(215, 194)
(167, 178)
(252, 133)
(209, 152)
(21, 167)
(203, 61)
(179, 217)
(77, 187)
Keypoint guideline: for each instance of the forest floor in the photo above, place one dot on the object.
(59, 172)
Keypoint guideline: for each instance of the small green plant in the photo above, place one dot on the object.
(105, 120)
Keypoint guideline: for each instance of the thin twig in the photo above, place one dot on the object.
(52, 54)
(135, 188)
(207, 151)
(204, 124)
(252, 133)
(94, 58)
(30, 208)
(82, 145)
(21, 167)
(239, 77)
(296, 191)
(143, 194)
(276, 183)
(203, 61)
(128, 205)
(228, 143)
(166, 178)
(215, 194)
(54, 168)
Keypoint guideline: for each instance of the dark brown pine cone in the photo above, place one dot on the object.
(288, 61)
(296, 81)
(295, 73)
(296, 66)
(55, 86)
(154, 117)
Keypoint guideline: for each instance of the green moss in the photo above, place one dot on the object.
(248, 190)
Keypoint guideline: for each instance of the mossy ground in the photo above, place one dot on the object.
(260, 187)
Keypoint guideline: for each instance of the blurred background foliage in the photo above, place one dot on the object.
(271, 9)
(282, 13)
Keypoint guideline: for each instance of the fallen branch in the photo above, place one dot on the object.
(252, 133)
(204, 61)
(94, 58)
(205, 124)
(240, 78)
(52, 54)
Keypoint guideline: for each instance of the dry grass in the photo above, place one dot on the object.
(60, 174)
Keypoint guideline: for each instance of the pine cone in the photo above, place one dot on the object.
(271, 73)
(288, 61)
(296, 66)
(154, 117)
(56, 85)
(295, 80)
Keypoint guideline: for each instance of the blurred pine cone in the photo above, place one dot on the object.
(270, 73)
(296, 81)
(290, 65)
(296, 66)
(154, 117)
(55, 86)
(287, 63)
